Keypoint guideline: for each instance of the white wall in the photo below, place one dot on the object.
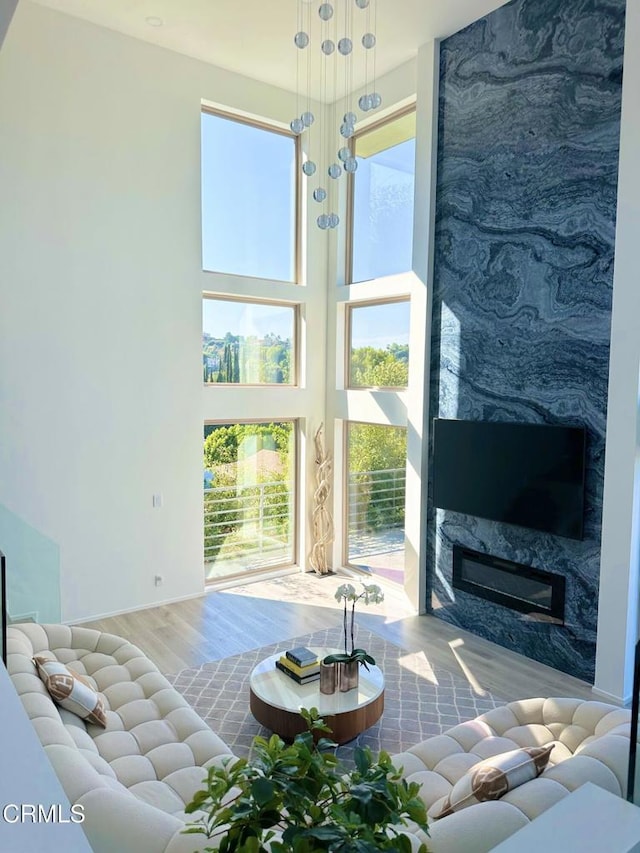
(618, 599)
(101, 399)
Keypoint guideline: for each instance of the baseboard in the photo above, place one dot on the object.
(134, 609)
(22, 617)
(610, 697)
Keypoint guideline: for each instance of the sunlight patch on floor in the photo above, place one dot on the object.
(418, 664)
(454, 645)
(319, 591)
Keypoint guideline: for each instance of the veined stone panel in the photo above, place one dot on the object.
(529, 122)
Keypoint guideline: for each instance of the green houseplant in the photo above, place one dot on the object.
(299, 799)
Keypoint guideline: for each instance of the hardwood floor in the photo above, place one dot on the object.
(227, 622)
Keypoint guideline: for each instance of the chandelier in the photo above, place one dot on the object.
(335, 42)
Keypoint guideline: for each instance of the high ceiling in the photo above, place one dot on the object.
(255, 37)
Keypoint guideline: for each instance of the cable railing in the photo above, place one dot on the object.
(376, 508)
(376, 499)
(248, 527)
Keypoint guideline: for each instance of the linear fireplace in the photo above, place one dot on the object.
(532, 591)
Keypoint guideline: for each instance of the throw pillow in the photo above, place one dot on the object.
(492, 778)
(71, 691)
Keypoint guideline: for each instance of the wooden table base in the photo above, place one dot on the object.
(345, 726)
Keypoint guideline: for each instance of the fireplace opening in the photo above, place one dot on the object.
(537, 593)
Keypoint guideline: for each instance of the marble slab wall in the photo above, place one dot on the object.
(529, 121)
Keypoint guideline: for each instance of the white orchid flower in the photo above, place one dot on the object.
(371, 594)
(346, 591)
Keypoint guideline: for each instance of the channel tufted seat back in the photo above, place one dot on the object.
(591, 744)
(134, 777)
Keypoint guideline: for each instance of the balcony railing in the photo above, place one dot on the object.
(376, 518)
(376, 499)
(247, 527)
(250, 527)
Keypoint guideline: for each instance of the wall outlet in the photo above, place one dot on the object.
(157, 501)
(158, 580)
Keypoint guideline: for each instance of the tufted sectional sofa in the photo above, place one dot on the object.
(134, 777)
(591, 744)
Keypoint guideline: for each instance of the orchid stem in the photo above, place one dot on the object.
(344, 623)
(353, 613)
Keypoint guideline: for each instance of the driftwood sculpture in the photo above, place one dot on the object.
(321, 516)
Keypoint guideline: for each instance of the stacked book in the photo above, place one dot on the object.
(300, 664)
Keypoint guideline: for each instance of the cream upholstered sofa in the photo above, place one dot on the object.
(134, 777)
(591, 744)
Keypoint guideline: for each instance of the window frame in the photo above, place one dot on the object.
(263, 124)
(295, 342)
(295, 498)
(351, 179)
(349, 308)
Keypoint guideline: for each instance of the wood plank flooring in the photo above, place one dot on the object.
(228, 622)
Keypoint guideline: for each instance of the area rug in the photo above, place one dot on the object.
(420, 700)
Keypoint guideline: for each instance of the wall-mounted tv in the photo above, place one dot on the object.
(526, 474)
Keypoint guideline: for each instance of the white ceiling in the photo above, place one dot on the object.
(255, 37)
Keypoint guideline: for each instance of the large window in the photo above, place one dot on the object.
(249, 497)
(375, 498)
(379, 345)
(382, 199)
(248, 343)
(249, 199)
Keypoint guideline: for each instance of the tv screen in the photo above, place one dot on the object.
(526, 474)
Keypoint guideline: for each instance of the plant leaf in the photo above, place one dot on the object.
(262, 791)
(362, 760)
(338, 657)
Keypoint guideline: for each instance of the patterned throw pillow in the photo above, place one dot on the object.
(71, 691)
(492, 778)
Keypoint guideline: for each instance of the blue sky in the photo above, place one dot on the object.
(380, 325)
(248, 200)
(248, 214)
(372, 325)
(383, 212)
(246, 318)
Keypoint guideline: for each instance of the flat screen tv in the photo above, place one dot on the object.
(526, 474)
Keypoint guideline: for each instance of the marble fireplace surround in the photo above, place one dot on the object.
(528, 137)
(538, 594)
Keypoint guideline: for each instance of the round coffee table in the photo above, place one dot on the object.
(275, 701)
